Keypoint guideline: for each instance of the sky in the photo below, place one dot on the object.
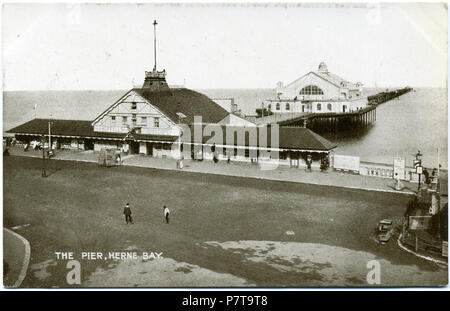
(109, 46)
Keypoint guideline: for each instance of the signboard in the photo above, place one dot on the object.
(399, 168)
(342, 162)
(419, 222)
(419, 169)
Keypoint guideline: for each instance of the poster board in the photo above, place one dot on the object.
(341, 162)
(399, 168)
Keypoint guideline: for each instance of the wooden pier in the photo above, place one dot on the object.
(334, 122)
(383, 97)
(345, 121)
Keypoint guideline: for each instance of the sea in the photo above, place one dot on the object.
(416, 121)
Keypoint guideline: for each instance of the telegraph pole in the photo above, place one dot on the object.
(49, 137)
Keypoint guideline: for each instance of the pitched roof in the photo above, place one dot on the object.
(77, 128)
(186, 101)
(58, 127)
(289, 137)
(328, 76)
(303, 138)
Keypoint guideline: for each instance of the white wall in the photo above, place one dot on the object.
(143, 109)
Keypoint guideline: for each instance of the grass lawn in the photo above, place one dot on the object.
(79, 208)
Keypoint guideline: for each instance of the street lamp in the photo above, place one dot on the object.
(181, 116)
(419, 169)
(44, 174)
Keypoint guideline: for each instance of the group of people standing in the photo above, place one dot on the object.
(129, 219)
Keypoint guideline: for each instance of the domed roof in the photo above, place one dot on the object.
(323, 67)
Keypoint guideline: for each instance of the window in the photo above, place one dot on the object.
(133, 119)
(330, 107)
(311, 90)
(287, 106)
(246, 152)
(144, 121)
(124, 120)
(278, 106)
(133, 106)
(156, 122)
(319, 107)
(113, 120)
(270, 106)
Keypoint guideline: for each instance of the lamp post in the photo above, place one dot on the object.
(44, 174)
(419, 169)
(181, 116)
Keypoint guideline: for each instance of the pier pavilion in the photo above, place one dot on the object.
(317, 92)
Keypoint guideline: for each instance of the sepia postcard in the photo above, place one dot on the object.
(225, 145)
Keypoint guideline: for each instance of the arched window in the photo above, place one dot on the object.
(287, 106)
(329, 106)
(278, 106)
(311, 90)
(319, 107)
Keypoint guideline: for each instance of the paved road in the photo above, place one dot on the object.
(79, 208)
(240, 169)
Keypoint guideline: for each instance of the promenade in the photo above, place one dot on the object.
(240, 169)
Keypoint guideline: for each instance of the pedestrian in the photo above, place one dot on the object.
(127, 213)
(426, 175)
(166, 213)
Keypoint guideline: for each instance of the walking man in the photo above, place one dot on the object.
(166, 213)
(127, 213)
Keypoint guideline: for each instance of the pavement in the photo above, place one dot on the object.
(240, 169)
(17, 256)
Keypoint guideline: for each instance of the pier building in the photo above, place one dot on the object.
(318, 92)
(151, 119)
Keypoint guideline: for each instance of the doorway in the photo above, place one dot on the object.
(134, 147)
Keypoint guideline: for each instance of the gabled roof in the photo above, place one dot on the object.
(329, 77)
(333, 78)
(186, 101)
